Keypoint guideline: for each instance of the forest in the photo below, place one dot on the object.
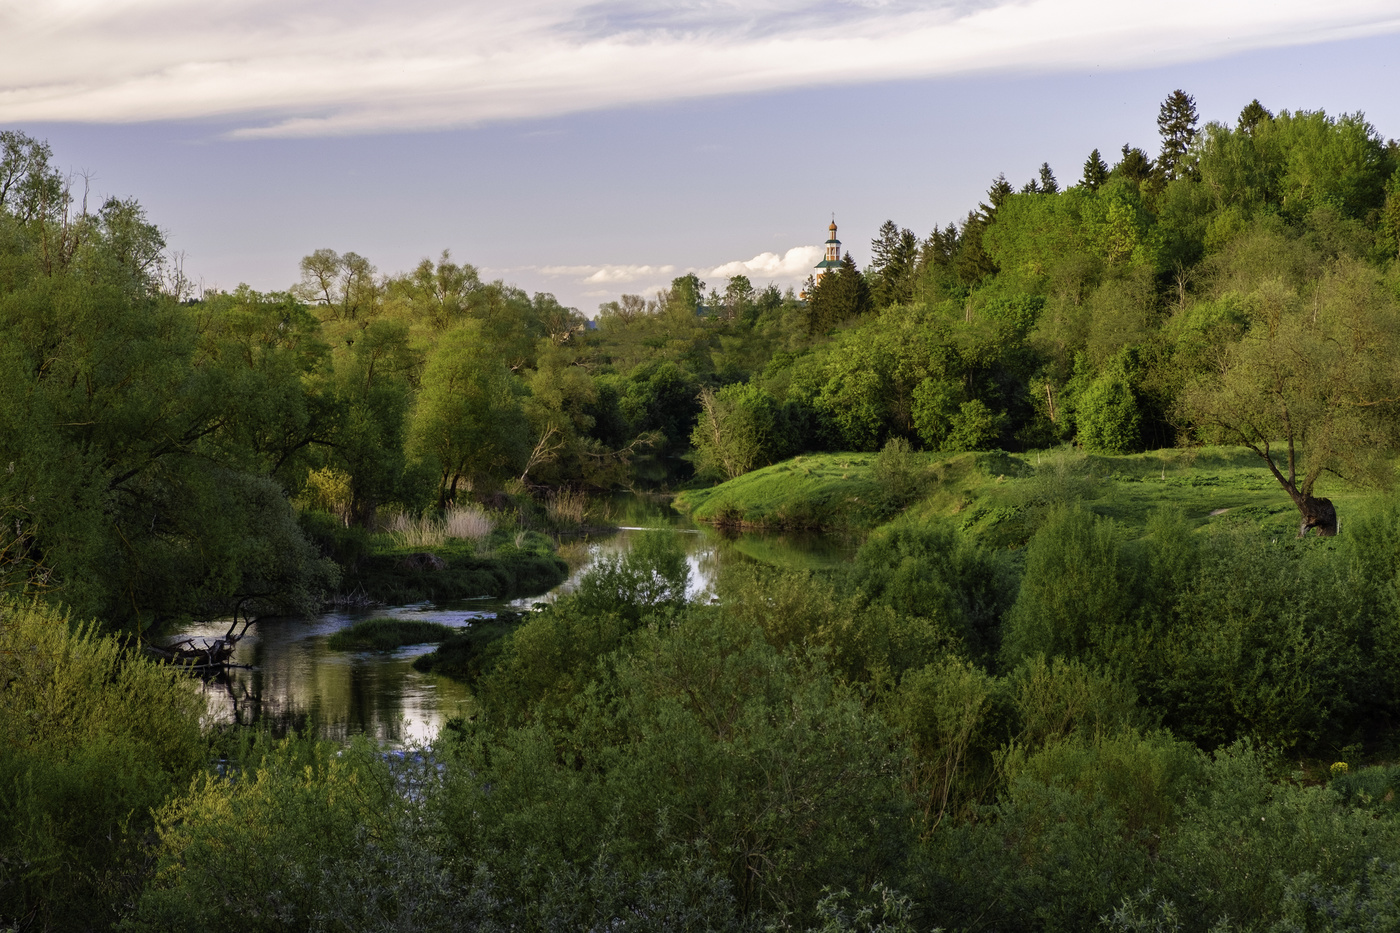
(1029, 702)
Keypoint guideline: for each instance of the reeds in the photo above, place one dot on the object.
(424, 532)
(566, 507)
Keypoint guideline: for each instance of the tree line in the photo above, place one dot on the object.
(1239, 287)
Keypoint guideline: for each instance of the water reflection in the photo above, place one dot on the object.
(286, 677)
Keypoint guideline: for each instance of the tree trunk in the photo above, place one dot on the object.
(1319, 514)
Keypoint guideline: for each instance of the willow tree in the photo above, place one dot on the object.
(1312, 386)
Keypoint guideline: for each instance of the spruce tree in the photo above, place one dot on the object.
(996, 195)
(1176, 122)
(1048, 184)
(1095, 171)
(893, 255)
(1135, 165)
(1253, 114)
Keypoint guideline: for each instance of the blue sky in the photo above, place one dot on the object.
(590, 149)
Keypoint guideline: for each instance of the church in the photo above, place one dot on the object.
(832, 261)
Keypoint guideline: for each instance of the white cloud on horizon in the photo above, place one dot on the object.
(316, 68)
(796, 263)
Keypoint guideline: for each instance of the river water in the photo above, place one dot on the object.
(286, 676)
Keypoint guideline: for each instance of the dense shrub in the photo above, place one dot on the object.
(92, 737)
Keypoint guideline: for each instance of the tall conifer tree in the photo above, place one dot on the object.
(1176, 122)
(1095, 171)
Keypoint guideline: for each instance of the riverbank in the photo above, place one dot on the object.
(398, 567)
(1001, 498)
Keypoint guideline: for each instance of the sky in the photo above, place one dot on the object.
(594, 148)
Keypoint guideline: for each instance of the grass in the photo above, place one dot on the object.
(1000, 498)
(811, 492)
(386, 634)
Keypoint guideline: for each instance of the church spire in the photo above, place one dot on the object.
(832, 260)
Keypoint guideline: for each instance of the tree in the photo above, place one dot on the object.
(1176, 122)
(1107, 413)
(343, 287)
(1253, 114)
(29, 186)
(1134, 166)
(1095, 171)
(893, 255)
(1315, 377)
(1048, 184)
(739, 297)
(436, 294)
(1390, 213)
(972, 263)
(685, 294)
(468, 419)
(836, 297)
(740, 428)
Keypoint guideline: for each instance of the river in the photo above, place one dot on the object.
(286, 676)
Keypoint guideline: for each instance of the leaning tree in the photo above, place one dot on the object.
(1311, 385)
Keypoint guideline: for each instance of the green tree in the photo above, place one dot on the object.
(30, 187)
(1315, 377)
(1095, 171)
(467, 420)
(973, 263)
(1390, 213)
(837, 297)
(1134, 165)
(1253, 114)
(1176, 123)
(740, 428)
(1107, 413)
(438, 294)
(344, 288)
(894, 254)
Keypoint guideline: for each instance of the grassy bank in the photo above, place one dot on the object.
(386, 634)
(1001, 498)
(818, 492)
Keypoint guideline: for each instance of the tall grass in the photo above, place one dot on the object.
(424, 532)
(470, 523)
(566, 507)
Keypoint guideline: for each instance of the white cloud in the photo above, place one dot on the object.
(317, 67)
(608, 274)
(796, 263)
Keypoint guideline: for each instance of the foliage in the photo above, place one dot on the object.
(92, 737)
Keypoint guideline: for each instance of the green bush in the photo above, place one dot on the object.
(1077, 592)
(258, 849)
(937, 574)
(702, 739)
(92, 738)
(899, 474)
(1107, 412)
(553, 656)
